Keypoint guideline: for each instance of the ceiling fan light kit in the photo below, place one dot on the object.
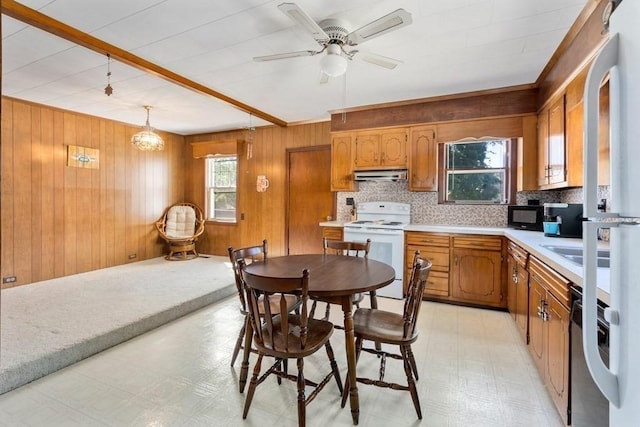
(333, 36)
(333, 63)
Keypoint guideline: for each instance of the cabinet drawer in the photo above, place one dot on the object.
(427, 239)
(475, 242)
(437, 284)
(439, 257)
(332, 233)
(519, 255)
(550, 279)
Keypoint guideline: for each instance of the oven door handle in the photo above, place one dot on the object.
(370, 231)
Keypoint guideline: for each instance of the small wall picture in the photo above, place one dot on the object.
(83, 157)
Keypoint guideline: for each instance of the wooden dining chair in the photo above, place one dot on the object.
(285, 335)
(397, 329)
(346, 248)
(249, 254)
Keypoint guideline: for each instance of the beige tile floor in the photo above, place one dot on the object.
(475, 371)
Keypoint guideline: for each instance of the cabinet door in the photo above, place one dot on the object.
(512, 286)
(393, 148)
(557, 354)
(342, 163)
(557, 153)
(477, 276)
(543, 148)
(522, 303)
(423, 159)
(536, 324)
(367, 150)
(438, 281)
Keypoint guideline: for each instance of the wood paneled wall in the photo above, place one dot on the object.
(59, 220)
(264, 213)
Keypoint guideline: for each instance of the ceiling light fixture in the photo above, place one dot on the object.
(147, 139)
(333, 63)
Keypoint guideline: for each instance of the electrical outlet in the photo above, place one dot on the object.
(602, 206)
(9, 279)
(242, 216)
(349, 201)
(132, 256)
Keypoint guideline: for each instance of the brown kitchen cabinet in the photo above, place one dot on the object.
(551, 145)
(381, 149)
(342, 162)
(333, 233)
(518, 288)
(423, 159)
(549, 318)
(476, 271)
(435, 247)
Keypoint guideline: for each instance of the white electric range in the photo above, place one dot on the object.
(383, 223)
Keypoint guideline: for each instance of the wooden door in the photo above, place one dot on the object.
(342, 163)
(557, 154)
(477, 276)
(393, 147)
(512, 285)
(522, 303)
(309, 199)
(424, 159)
(557, 354)
(367, 150)
(537, 295)
(543, 147)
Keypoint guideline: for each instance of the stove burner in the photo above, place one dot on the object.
(361, 222)
(392, 223)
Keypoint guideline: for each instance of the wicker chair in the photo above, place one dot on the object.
(181, 225)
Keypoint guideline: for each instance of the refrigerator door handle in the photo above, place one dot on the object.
(605, 62)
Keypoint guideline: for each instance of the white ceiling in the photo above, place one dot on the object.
(452, 46)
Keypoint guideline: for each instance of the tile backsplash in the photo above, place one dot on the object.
(426, 210)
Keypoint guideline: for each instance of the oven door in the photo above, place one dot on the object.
(387, 245)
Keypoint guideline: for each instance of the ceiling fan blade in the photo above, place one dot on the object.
(379, 60)
(390, 22)
(302, 19)
(286, 55)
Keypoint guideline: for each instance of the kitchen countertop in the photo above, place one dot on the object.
(531, 241)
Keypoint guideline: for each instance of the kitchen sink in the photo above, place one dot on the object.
(574, 254)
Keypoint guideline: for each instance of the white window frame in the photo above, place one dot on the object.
(211, 189)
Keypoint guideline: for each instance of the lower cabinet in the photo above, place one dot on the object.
(518, 288)
(549, 318)
(477, 270)
(435, 247)
(466, 268)
(332, 233)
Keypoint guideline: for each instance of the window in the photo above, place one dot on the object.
(477, 171)
(220, 188)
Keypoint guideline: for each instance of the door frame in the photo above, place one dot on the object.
(288, 152)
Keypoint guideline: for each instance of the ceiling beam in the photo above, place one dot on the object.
(45, 23)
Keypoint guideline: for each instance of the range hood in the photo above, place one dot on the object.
(381, 175)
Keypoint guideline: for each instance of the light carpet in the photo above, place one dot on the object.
(48, 325)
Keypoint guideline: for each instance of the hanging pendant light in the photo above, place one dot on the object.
(147, 139)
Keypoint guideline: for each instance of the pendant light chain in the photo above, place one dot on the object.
(108, 90)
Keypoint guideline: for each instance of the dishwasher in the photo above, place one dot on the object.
(589, 407)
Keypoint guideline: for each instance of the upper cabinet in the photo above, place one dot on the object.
(423, 159)
(381, 149)
(342, 162)
(551, 145)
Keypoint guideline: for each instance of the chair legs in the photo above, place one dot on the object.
(300, 380)
(410, 370)
(241, 337)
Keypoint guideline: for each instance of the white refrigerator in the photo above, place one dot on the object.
(620, 57)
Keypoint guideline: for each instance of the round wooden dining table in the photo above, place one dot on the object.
(334, 279)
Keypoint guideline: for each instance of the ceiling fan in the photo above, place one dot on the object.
(336, 40)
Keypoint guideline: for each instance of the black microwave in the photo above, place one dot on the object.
(525, 217)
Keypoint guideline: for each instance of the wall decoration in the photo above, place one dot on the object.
(83, 157)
